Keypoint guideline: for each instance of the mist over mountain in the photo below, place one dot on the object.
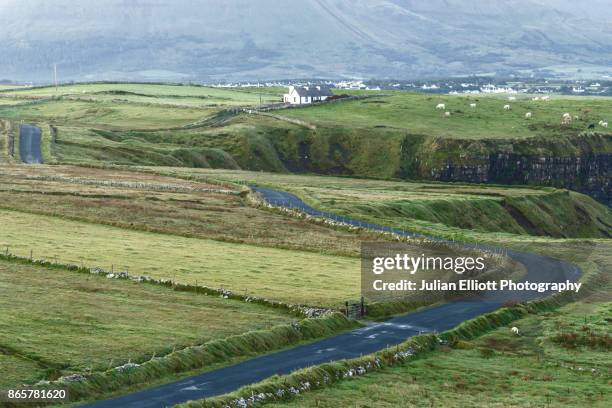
(209, 40)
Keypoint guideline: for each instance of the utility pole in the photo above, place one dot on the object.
(55, 76)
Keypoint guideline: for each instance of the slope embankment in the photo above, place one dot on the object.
(580, 162)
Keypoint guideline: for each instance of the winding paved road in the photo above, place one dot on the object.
(347, 345)
(29, 144)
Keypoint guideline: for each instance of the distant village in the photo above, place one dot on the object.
(304, 91)
(477, 85)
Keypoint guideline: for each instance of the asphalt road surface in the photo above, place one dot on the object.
(348, 345)
(29, 144)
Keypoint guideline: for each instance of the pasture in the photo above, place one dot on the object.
(561, 358)
(112, 115)
(179, 95)
(453, 210)
(498, 369)
(287, 275)
(55, 321)
(143, 201)
(168, 228)
(417, 114)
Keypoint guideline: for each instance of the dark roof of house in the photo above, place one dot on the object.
(313, 91)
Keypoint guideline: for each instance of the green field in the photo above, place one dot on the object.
(562, 357)
(109, 115)
(496, 370)
(452, 209)
(81, 194)
(69, 212)
(287, 275)
(417, 113)
(401, 135)
(100, 323)
(158, 94)
(151, 179)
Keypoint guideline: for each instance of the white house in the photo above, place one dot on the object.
(300, 95)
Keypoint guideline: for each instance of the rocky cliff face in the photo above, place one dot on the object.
(590, 174)
(582, 163)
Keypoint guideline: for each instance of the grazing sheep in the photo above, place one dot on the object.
(506, 107)
(545, 98)
(512, 98)
(567, 115)
(515, 331)
(472, 105)
(447, 114)
(528, 115)
(567, 119)
(440, 106)
(604, 124)
(535, 98)
(600, 122)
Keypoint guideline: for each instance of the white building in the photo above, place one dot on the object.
(300, 95)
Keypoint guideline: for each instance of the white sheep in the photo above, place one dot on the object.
(515, 331)
(545, 98)
(506, 107)
(472, 105)
(535, 98)
(567, 119)
(528, 115)
(512, 98)
(447, 114)
(604, 124)
(600, 122)
(440, 106)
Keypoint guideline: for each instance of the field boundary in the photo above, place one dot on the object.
(302, 311)
(130, 185)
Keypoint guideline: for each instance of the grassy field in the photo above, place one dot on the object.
(84, 194)
(416, 113)
(157, 93)
(397, 136)
(292, 276)
(101, 323)
(496, 370)
(165, 222)
(442, 209)
(562, 357)
(287, 275)
(111, 115)
(164, 227)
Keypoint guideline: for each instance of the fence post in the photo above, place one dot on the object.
(347, 308)
(362, 307)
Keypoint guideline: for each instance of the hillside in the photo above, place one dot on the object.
(210, 40)
(397, 136)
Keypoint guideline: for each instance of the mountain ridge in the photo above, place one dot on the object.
(242, 40)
